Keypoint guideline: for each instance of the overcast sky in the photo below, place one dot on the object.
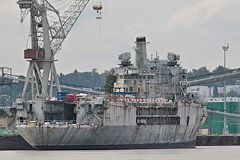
(195, 29)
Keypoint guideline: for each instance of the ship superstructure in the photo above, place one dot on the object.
(154, 87)
(149, 78)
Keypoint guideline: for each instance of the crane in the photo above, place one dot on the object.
(46, 41)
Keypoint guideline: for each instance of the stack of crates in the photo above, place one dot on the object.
(61, 95)
(70, 97)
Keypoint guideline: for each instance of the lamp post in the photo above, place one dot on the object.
(225, 128)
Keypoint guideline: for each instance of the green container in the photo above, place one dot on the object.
(215, 123)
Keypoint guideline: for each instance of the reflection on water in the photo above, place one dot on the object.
(200, 153)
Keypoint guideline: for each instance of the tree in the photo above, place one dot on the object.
(219, 71)
(84, 79)
(110, 80)
(198, 73)
(203, 72)
(2, 113)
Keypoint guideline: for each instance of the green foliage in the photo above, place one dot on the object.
(198, 72)
(8, 132)
(203, 72)
(16, 90)
(2, 112)
(110, 80)
(84, 79)
(220, 70)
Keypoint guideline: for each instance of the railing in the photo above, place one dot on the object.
(57, 123)
(228, 115)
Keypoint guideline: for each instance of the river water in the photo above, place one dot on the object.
(200, 153)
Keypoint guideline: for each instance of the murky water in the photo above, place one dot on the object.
(200, 153)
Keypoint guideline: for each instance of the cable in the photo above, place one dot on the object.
(23, 32)
(29, 34)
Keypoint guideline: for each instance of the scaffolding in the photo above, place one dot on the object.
(5, 87)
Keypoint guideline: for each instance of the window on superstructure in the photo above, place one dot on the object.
(131, 89)
(188, 118)
(30, 108)
(150, 77)
(127, 77)
(21, 119)
(134, 76)
(121, 77)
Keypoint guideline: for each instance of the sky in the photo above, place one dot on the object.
(195, 29)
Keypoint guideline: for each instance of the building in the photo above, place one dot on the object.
(230, 88)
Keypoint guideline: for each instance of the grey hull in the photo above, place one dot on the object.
(110, 137)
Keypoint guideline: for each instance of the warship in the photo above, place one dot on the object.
(149, 107)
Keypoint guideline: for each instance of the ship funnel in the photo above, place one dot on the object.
(141, 52)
